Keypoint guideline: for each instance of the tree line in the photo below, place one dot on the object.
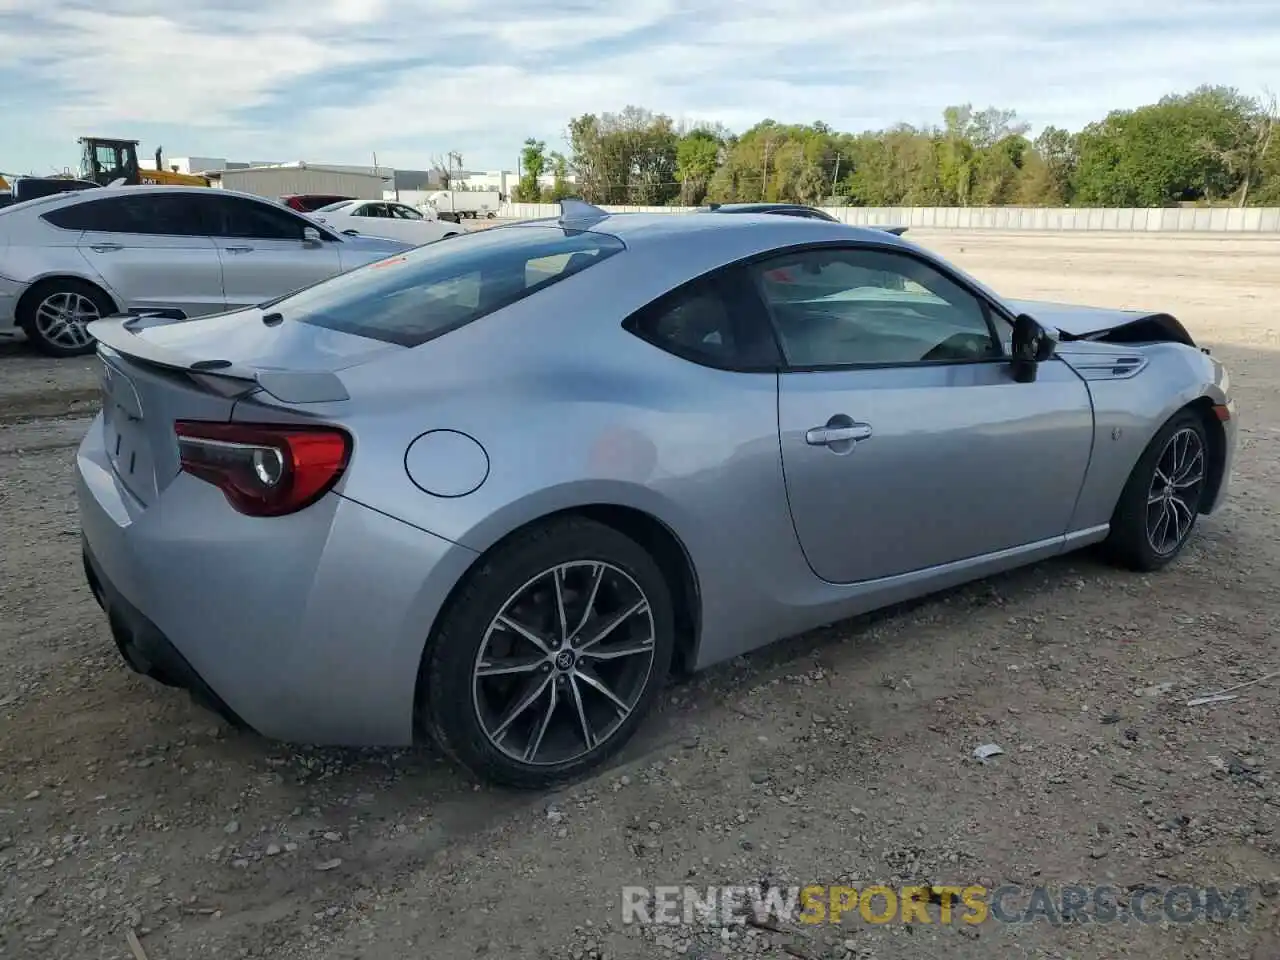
(1213, 145)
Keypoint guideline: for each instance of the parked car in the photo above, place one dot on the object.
(71, 258)
(492, 490)
(29, 188)
(396, 221)
(310, 202)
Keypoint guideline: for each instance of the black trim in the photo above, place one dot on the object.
(745, 309)
(757, 306)
(145, 649)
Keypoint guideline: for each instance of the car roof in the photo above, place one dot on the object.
(669, 249)
(83, 196)
(768, 229)
(759, 208)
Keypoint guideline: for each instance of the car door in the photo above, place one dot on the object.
(264, 249)
(150, 250)
(413, 227)
(905, 441)
(375, 220)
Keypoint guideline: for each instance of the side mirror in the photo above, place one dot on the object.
(311, 237)
(1033, 344)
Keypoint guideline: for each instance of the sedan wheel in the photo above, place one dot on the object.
(57, 321)
(548, 661)
(1162, 499)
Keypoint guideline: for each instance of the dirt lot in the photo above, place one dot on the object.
(840, 757)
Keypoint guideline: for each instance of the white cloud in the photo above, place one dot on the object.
(339, 79)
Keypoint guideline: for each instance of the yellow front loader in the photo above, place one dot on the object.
(105, 160)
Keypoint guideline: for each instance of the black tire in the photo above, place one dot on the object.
(1130, 543)
(449, 707)
(38, 332)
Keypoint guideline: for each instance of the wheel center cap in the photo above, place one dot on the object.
(565, 660)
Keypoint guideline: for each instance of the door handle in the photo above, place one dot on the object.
(106, 247)
(825, 436)
(238, 249)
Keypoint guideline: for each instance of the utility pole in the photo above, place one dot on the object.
(764, 173)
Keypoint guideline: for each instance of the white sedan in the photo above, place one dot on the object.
(386, 219)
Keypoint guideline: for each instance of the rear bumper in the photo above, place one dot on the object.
(308, 628)
(10, 291)
(145, 649)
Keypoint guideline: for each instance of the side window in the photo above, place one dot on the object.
(404, 213)
(250, 220)
(834, 308)
(714, 321)
(102, 215)
(175, 215)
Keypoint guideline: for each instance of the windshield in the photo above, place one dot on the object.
(333, 206)
(413, 297)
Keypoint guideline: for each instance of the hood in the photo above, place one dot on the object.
(1101, 323)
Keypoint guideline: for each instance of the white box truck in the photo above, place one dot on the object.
(456, 205)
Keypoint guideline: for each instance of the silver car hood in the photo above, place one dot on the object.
(1099, 323)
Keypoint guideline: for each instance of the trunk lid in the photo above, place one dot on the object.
(256, 339)
(139, 404)
(155, 371)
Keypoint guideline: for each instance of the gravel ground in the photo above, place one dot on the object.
(843, 756)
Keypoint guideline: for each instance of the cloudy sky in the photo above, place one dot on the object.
(337, 80)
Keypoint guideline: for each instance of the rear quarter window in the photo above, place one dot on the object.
(414, 297)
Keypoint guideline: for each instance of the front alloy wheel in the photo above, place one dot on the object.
(547, 661)
(1173, 499)
(1162, 499)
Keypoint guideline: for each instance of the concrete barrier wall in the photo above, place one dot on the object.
(1110, 219)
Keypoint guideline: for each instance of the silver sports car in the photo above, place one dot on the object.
(492, 491)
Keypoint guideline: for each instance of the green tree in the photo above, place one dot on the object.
(697, 158)
(533, 162)
(560, 185)
(1209, 145)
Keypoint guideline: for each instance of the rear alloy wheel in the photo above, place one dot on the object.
(56, 317)
(549, 660)
(1162, 500)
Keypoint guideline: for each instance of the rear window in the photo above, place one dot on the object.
(412, 297)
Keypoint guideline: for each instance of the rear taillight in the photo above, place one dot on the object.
(264, 470)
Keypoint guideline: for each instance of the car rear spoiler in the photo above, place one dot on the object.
(896, 231)
(122, 334)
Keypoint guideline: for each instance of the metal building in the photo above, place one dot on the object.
(283, 179)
